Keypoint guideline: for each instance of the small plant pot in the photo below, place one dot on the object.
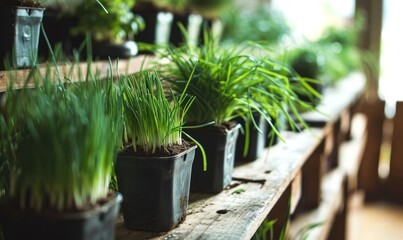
(94, 224)
(155, 190)
(257, 139)
(103, 50)
(20, 28)
(219, 146)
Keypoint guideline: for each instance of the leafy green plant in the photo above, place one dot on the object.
(265, 229)
(229, 82)
(341, 51)
(260, 23)
(69, 134)
(307, 62)
(151, 121)
(112, 22)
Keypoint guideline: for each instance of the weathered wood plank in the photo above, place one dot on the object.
(296, 192)
(332, 202)
(333, 143)
(228, 215)
(312, 173)
(368, 179)
(280, 214)
(129, 66)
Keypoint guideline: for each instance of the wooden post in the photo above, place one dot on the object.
(370, 39)
(393, 184)
(312, 173)
(281, 213)
(368, 178)
(332, 145)
(339, 226)
(371, 105)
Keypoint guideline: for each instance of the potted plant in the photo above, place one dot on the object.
(59, 148)
(112, 26)
(19, 23)
(227, 83)
(154, 168)
(304, 67)
(260, 23)
(341, 52)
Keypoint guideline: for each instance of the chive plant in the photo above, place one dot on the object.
(68, 139)
(229, 82)
(152, 121)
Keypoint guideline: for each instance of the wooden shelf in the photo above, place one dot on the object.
(238, 216)
(335, 185)
(126, 66)
(324, 215)
(294, 169)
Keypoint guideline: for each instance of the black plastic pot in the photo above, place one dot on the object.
(220, 151)
(155, 190)
(104, 50)
(257, 139)
(20, 29)
(95, 224)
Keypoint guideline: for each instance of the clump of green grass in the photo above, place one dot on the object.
(228, 82)
(152, 121)
(61, 140)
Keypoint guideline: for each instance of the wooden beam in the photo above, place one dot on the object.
(68, 71)
(368, 179)
(333, 189)
(395, 179)
(312, 173)
(370, 37)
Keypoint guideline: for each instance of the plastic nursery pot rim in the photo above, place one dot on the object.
(159, 157)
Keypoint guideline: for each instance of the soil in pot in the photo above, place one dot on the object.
(219, 143)
(92, 224)
(155, 189)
